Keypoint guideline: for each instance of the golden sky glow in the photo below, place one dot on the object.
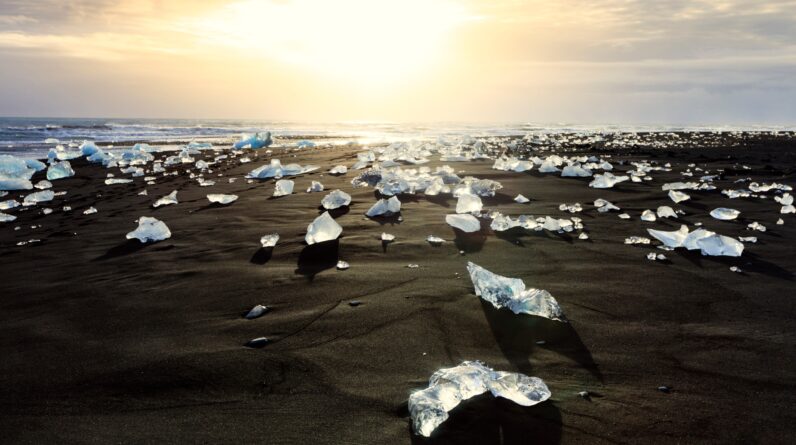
(412, 60)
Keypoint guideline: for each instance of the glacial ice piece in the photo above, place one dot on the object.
(450, 386)
(648, 215)
(468, 204)
(786, 199)
(336, 199)
(220, 198)
(511, 293)
(434, 240)
(720, 245)
(112, 181)
(604, 206)
(710, 243)
(315, 187)
(283, 187)
(478, 187)
(276, 170)
(169, 199)
(37, 197)
(323, 228)
(678, 197)
(338, 170)
(672, 239)
(254, 141)
(387, 237)
(256, 312)
(465, 223)
(385, 207)
(666, 212)
(43, 184)
(343, 265)
(754, 225)
(5, 217)
(90, 211)
(150, 230)
(724, 213)
(575, 170)
(60, 170)
(787, 209)
(269, 240)
(7, 183)
(606, 180)
(521, 199)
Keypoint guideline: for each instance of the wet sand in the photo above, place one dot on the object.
(105, 340)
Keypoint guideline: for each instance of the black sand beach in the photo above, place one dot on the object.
(105, 340)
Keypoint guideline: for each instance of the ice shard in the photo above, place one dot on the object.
(338, 170)
(385, 207)
(521, 199)
(606, 180)
(59, 170)
(336, 199)
(724, 214)
(450, 386)
(150, 230)
(678, 197)
(219, 198)
(465, 223)
(468, 204)
(323, 228)
(510, 293)
(283, 187)
(169, 199)
(254, 141)
(269, 240)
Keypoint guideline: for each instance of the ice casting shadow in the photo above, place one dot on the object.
(316, 258)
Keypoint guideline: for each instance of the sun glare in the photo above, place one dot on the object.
(361, 42)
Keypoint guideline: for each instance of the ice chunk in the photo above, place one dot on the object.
(670, 239)
(254, 141)
(256, 312)
(790, 208)
(448, 387)
(315, 187)
(720, 245)
(385, 207)
(754, 225)
(169, 199)
(786, 199)
(90, 211)
(269, 240)
(37, 197)
(511, 293)
(150, 230)
(276, 170)
(677, 197)
(434, 240)
(575, 170)
(338, 170)
(387, 238)
(468, 204)
(604, 206)
(43, 184)
(521, 199)
(112, 181)
(323, 228)
(335, 200)
(648, 215)
(283, 187)
(606, 180)
(637, 240)
(9, 204)
(708, 242)
(60, 170)
(465, 223)
(219, 198)
(342, 265)
(666, 212)
(5, 217)
(724, 213)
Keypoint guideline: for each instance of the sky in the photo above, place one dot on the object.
(601, 61)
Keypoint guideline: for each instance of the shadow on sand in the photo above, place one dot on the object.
(316, 258)
(262, 255)
(128, 247)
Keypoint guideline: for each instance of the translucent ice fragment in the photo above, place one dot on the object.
(5, 217)
(387, 238)
(465, 223)
(510, 293)
(385, 207)
(269, 240)
(169, 199)
(256, 312)
(336, 199)
(315, 187)
(59, 170)
(468, 204)
(666, 212)
(342, 265)
(434, 240)
(648, 215)
(521, 199)
(338, 170)
(254, 141)
(677, 197)
(37, 197)
(323, 228)
(150, 230)
(283, 187)
(724, 213)
(219, 198)
(606, 180)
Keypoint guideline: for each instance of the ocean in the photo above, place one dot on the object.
(33, 137)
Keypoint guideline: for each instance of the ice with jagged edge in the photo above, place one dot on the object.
(276, 170)
(450, 386)
(510, 293)
(709, 243)
(468, 203)
(606, 180)
(338, 170)
(384, 207)
(59, 170)
(315, 186)
(37, 197)
(150, 230)
(5, 217)
(323, 228)
(465, 223)
(335, 199)
(220, 198)
(604, 206)
(283, 187)
(269, 240)
(15, 173)
(254, 141)
(169, 199)
(678, 197)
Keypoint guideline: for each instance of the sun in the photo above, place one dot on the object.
(362, 42)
